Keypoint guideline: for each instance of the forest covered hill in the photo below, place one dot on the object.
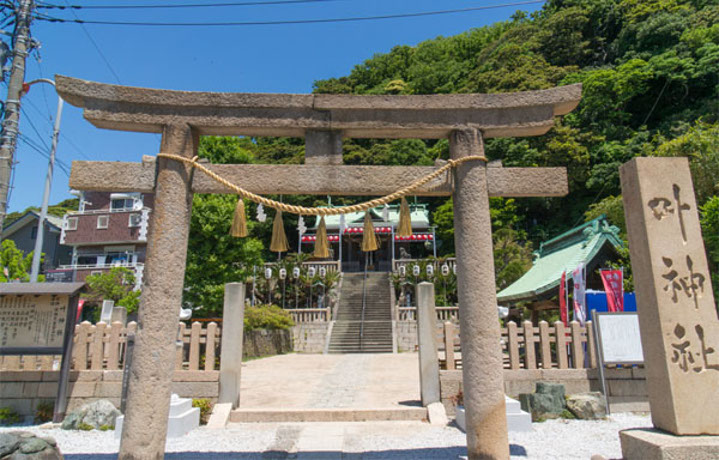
(650, 75)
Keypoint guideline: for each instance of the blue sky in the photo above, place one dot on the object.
(269, 58)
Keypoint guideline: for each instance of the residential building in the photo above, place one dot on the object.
(108, 230)
(23, 232)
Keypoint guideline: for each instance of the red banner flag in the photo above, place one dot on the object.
(614, 287)
(563, 299)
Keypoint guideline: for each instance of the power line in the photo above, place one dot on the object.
(187, 5)
(297, 21)
(97, 48)
(34, 128)
(61, 164)
(48, 120)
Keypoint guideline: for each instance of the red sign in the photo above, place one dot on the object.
(80, 304)
(614, 287)
(563, 314)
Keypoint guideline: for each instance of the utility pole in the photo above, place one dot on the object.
(39, 237)
(21, 47)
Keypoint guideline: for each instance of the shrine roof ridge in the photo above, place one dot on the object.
(526, 113)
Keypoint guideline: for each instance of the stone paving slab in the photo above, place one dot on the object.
(304, 381)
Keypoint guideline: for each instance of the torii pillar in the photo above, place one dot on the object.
(466, 119)
(482, 365)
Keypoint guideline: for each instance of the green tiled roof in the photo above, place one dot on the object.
(563, 253)
(419, 214)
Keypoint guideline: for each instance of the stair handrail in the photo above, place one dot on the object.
(364, 302)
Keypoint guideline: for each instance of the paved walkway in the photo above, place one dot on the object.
(303, 381)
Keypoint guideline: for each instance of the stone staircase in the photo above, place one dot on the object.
(377, 336)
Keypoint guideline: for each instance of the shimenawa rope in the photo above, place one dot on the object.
(301, 210)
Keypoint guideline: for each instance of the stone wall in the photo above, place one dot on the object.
(626, 387)
(24, 390)
(310, 337)
(406, 336)
(266, 342)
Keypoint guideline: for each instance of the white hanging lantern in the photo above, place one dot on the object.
(268, 273)
(323, 272)
(311, 272)
(296, 272)
(416, 270)
(301, 227)
(454, 269)
(343, 223)
(385, 213)
(283, 273)
(445, 270)
(402, 271)
(430, 270)
(261, 216)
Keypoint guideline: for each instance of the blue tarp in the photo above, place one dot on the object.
(597, 300)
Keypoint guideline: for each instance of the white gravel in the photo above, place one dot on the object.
(554, 439)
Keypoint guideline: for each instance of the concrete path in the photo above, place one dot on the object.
(303, 381)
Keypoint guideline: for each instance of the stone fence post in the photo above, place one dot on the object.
(427, 340)
(233, 322)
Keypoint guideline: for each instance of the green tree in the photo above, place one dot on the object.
(710, 230)
(701, 145)
(118, 285)
(15, 264)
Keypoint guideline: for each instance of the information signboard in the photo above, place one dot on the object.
(619, 342)
(619, 338)
(39, 319)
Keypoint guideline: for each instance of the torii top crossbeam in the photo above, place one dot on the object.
(529, 113)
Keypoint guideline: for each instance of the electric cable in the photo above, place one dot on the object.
(187, 5)
(287, 22)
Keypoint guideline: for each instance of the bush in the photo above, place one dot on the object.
(267, 317)
(205, 406)
(8, 416)
(44, 412)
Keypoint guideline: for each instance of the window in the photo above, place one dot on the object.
(103, 221)
(122, 204)
(96, 272)
(135, 220)
(33, 233)
(71, 223)
(87, 260)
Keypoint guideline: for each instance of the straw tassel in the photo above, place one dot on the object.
(404, 229)
(239, 221)
(369, 240)
(279, 239)
(322, 250)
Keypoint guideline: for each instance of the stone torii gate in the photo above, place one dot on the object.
(323, 120)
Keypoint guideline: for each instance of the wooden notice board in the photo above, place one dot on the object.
(39, 319)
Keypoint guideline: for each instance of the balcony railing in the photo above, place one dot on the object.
(100, 266)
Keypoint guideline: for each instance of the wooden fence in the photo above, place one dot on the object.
(102, 347)
(529, 347)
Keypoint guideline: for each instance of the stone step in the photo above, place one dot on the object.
(249, 415)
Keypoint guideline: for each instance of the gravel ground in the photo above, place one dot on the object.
(554, 439)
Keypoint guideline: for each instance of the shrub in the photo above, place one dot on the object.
(267, 317)
(8, 416)
(44, 411)
(85, 426)
(205, 406)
